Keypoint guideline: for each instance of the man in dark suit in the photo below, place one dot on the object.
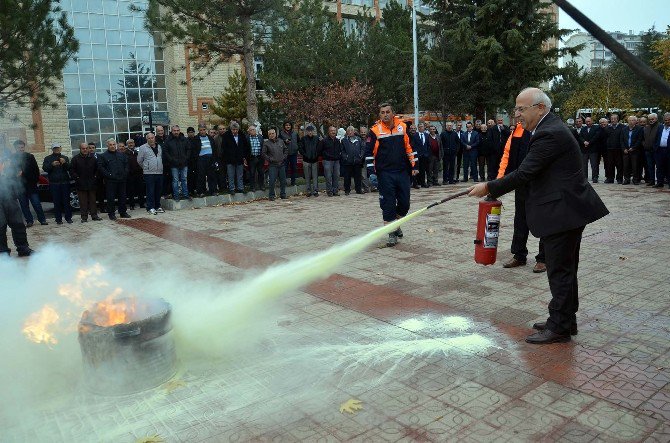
(499, 135)
(631, 140)
(236, 149)
(614, 159)
(450, 145)
(590, 134)
(470, 140)
(661, 150)
(560, 203)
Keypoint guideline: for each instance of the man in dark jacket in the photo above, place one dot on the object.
(353, 153)
(560, 204)
(614, 159)
(176, 155)
(194, 153)
(30, 174)
(631, 141)
(236, 150)
(470, 140)
(202, 146)
(309, 150)
(331, 151)
(423, 153)
(649, 138)
(485, 150)
(10, 211)
(135, 188)
(499, 134)
(290, 137)
(450, 145)
(114, 167)
(592, 136)
(84, 171)
(57, 166)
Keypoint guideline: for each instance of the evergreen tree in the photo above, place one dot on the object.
(36, 43)
(217, 30)
(570, 80)
(232, 103)
(491, 49)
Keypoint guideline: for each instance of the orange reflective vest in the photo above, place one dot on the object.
(518, 132)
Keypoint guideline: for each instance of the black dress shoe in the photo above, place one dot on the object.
(96, 218)
(541, 326)
(660, 185)
(125, 215)
(112, 217)
(547, 337)
(25, 252)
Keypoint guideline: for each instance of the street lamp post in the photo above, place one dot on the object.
(416, 66)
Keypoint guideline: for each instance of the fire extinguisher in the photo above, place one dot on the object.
(488, 228)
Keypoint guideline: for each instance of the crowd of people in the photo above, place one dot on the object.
(225, 159)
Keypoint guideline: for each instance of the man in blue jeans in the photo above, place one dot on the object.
(177, 150)
(30, 174)
(57, 167)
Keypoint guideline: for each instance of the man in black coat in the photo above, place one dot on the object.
(451, 143)
(559, 205)
(113, 166)
(235, 151)
(57, 167)
(84, 171)
(592, 136)
(30, 175)
(614, 159)
(176, 154)
(10, 211)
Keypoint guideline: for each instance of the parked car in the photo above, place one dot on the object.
(45, 195)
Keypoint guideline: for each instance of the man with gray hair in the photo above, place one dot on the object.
(650, 132)
(235, 151)
(631, 140)
(661, 147)
(256, 173)
(113, 166)
(560, 203)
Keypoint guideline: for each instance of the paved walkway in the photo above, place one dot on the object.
(430, 343)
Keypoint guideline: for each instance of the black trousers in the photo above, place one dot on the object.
(631, 166)
(423, 171)
(482, 161)
(206, 182)
(135, 190)
(10, 215)
(562, 252)
(349, 172)
(192, 175)
(116, 190)
(594, 158)
(256, 173)
(521, 231)
(459, 162)
(614, 160)
(493, 164)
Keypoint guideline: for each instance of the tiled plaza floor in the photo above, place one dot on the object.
(429, 342)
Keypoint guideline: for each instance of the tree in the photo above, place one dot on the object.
(332, 104)
(661, 62)
(493, 48)
(601, 90)
(388, 56)
(308, 48)
(36, 43)
(232, 103)
(217, 30)
(570, 79)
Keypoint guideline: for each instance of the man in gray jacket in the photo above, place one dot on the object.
(275, 152)
(650, 132)
(150, 157)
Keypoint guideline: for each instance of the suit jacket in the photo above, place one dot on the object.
(475, 140)
(578, 136)
(422, 149)
(591, 135)
(499, 138)
(659, 135)
(636, 140)
(451, 142)
(234, 153)
(559, 196)
(614, 136)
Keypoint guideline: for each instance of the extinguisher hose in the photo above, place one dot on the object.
(451, 197)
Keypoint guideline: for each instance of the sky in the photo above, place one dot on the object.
(621, 15)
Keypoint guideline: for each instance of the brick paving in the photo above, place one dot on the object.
(611, 383)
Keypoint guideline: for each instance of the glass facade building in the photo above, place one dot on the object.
(118, 75)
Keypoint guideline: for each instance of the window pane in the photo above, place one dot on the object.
(91, 126)
(71, 81)
(100, 53)
(114, 52)
(134, 111)
(120, 111)
(75, 140)
(86, 81)
(94, 138)
(105, 111)
(76, 126)
(160, 95)
(80, 22)
(90, 112)
(126, 23)
(117, 81)
(74, 112)
(98, 36)
(106, 125)
(85, 66)
(135, 124)
(87, 96)
(144, 39)
(127, 37)
(131, 81)
(73, 95)
(110, 7)
(132, 96)
(146, 95)
(112, 22)
(97, 21)
(80, 5)
(161, 107)
(143, 53)
(71, 67)
(84, 50)
(103, 96)
(113, 37)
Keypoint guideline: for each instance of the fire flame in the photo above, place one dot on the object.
(113, 312)
(41, 326)
(38, 325)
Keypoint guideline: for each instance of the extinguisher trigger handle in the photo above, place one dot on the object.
(478, 242)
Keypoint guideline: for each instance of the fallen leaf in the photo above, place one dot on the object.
(351, 406)
(430, 230)
(150, 439)
(173, 385)
(621, 257)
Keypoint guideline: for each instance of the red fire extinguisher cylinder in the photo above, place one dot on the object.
(488, 228)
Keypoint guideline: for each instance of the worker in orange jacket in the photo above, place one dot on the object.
(394, 163)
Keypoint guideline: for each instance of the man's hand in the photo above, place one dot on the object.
(415, 172)
(479, 190)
